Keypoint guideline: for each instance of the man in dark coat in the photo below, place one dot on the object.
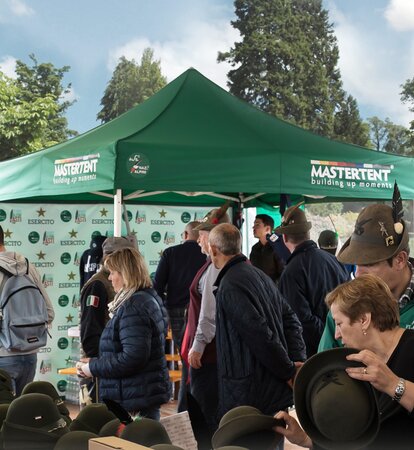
(175, 272)
(310, 273)
(258, 336)
(264, 254)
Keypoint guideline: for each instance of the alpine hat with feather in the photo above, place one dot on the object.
(213, 218)
(379, 234)
(294, 221)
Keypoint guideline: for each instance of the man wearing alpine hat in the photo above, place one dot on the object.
(379, 245)
(310, 273)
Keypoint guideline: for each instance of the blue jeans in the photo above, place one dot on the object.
(21, 368)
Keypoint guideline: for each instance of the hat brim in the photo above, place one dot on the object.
(361, 253)
(204, 226)
(243, 425)
(314, 367)
(294, 228)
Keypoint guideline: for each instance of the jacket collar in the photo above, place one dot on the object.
(232, 262)
(302, 248)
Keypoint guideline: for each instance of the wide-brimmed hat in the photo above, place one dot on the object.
(213, 218)
(294, 221)
(146, 432)
(44, 387)
(328, 240)
(92, 418)
(376, 237)
(336, 411)
(111, 244)
(165, 447)
(75, 440)
(243, 421)
(33, 421)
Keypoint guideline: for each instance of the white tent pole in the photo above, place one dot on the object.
(117, 212)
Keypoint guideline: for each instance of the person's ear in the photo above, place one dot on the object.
(400, 260)
(365, 320)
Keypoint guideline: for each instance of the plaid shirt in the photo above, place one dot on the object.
(409, 291)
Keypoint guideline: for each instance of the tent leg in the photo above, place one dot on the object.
(117, 212)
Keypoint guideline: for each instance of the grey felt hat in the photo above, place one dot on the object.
(111, 244)
(243, 421)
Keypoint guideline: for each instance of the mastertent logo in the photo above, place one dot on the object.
(351, 175)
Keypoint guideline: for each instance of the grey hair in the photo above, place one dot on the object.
(226, 238)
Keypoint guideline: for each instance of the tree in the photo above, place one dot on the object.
(386, 136)
(130, 85)
(407, 96)
(41, 81)
(32, 109)
(286, 63)
(348, 125)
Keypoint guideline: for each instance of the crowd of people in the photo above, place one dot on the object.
(297, 323)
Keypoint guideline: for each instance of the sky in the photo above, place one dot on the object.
(375, 40)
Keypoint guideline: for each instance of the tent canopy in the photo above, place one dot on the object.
(194, 143)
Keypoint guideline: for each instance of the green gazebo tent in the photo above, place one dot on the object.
(193, 143)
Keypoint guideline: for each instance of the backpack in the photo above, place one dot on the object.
(23, 313)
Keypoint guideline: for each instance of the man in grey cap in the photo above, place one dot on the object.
(95, 296)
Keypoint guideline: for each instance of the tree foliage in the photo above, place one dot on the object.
(386, 136)
(32, 109)
(130, 85)
(286, 64)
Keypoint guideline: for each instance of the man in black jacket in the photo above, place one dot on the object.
(258, 336)
(264, 255)
(310, 273)
(175, 272)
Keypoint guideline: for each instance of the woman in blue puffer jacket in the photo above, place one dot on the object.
(131, 367)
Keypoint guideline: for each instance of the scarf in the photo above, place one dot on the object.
(119, 299)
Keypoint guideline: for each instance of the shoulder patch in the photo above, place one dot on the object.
(92, 300)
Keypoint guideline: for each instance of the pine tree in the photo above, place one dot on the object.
(130, 85)
(287, 62)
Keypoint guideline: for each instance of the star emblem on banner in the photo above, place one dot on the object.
(40, 255)
(71, 276)
(69, 318)
(134, 232)
(8, 233)
(68, 360)
(41, 212)
(160, 253)
(162, 213)
(103, 212)
(73, 233)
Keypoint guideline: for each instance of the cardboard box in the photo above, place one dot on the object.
(114, 443)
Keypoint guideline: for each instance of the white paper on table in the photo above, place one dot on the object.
(179, 430)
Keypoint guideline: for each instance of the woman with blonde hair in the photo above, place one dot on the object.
(131, 367)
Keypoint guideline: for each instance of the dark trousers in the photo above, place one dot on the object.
(204, 388)
(177, 323)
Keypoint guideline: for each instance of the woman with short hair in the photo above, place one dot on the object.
(131, 367)
(366, 318)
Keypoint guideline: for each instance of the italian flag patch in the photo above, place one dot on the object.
(92, 300)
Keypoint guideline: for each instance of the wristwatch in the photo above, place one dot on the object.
(399, 390)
